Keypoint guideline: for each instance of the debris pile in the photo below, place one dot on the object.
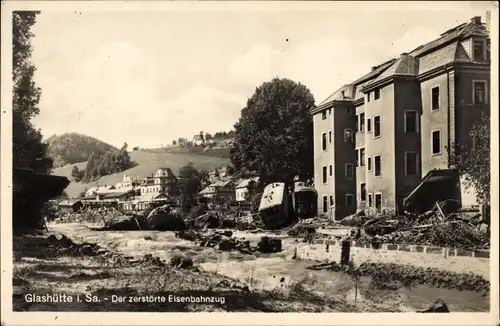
(165, 218)
(445, 225)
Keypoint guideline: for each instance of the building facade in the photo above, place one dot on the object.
(375, 138)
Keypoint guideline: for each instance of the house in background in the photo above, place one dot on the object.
(375, 137)
(198, 140)
(100, 190)
(70, 206)
(219, 191)
(220, 173)
(242, 188)
(127, 184)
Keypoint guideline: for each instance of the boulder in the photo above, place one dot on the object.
(269, 245)
(437, 306)
(181, 261)
(226, 244)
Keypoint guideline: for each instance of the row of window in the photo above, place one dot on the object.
(411, 165)
(349, 200)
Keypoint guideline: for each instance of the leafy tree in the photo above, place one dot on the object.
(274, 134)
(189, 186)
(473, 161)
(204, 177)
(136, 148)
(28, 149)
(174, 142)
(77, 174)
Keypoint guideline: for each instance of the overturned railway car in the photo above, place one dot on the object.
(282, 204)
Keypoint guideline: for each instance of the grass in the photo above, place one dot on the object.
(148, 162)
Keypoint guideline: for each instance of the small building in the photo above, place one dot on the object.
(117, 196)
(70, 206)
(219, 191)
(242, 188)
(198, 140)
(100, 190)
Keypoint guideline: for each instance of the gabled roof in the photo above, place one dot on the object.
(406, 65)
(344, 93)
(116, 194)
(245, 183)
(438, 52)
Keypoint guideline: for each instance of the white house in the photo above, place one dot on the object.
(242, 188)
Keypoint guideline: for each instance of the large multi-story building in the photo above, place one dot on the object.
(376, 137)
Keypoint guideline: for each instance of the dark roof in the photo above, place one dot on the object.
(459, 32)
(445, 49)
(116, 194)
(406, 65)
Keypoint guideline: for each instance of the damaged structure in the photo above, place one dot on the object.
(376, 137)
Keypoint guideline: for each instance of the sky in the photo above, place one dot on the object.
(148, 77)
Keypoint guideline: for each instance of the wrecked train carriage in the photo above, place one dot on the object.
(281, 204)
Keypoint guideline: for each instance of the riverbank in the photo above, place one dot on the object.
(41, 269)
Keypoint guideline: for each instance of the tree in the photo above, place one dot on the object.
(274, 134)
(28, 149)
(204, 177)
(473, 161)
(189, 186)
(174, 142)
(76, 173)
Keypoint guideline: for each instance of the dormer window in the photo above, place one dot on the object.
(479, 50)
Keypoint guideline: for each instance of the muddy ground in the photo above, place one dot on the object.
(248, 282)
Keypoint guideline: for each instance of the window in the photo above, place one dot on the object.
(435, 99)
(368, 97)
(370, 200)
(357, 157)
(362, 191)
(411, 122)
(378, 202)
(362, 157)
(348, 136)
(331, 170)
(362, 122)
(329, 136)
(325, 176)
(369, 164)
(349, 200)
(376, 126)
(349, 170)
(323, 142)
(411, 163)
(376, 94)
(323, 115)
(378, 166)
(331, 201)
(369, 125)
(436, 142)
(357, 123)
(479, 92)
(325, 204)
(479, 50)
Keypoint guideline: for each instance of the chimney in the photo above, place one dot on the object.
(488, 20)
(476, 20)
(374, 67)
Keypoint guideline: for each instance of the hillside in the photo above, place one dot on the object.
(147, 163)
(73, 148)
